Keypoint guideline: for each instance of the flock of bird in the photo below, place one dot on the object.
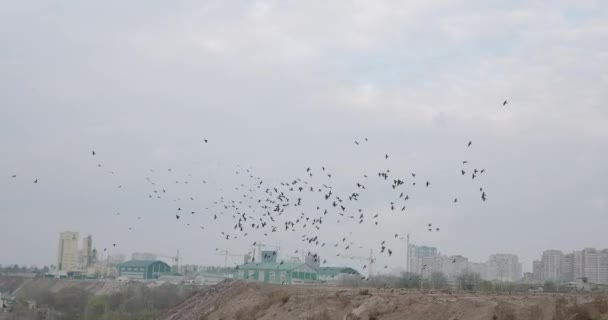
(303, 203)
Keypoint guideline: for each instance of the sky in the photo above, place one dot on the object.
(277, 87)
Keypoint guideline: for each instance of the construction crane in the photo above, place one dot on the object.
(175, 259)
(260, 245)
(370, 261)
(227, 254)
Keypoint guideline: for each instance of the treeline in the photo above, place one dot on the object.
(15, 268)
(135, 302)
(466, 280)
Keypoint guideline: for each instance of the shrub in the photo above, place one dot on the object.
(579, 312)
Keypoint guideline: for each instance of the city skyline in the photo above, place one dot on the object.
(553, 266)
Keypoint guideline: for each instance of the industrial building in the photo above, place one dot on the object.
(271, 271)
(143, 269)
(67, 254)
(335, 273)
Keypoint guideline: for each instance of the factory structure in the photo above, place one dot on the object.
(269, 270)
(143, 269)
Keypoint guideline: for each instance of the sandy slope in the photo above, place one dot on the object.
(241, 301)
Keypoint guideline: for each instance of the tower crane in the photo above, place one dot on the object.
(173, 258)
(227, 254)
(370, 261)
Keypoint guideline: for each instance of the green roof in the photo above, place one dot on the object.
(270, 266)
(334, 271)
(140, 263)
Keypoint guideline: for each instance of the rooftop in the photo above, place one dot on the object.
(140, 263)
(270, 266)
(334, 271)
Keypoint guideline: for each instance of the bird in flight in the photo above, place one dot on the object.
(386, 156)
(93, 152)
(14, 176)
(36, 181)
(205, 140)
(504, 103)
(470, 143)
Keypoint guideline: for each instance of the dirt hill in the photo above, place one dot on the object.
(244, 301)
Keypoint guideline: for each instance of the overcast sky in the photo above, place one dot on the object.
(279, 86)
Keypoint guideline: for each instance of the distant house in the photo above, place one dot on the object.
(273, 272)
(335, 273)
(143, 269)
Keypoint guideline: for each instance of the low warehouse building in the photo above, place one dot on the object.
(273, 272)
(143, 269)
(336, 273)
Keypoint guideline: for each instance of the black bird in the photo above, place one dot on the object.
(14, 176)
(114, 244)
(504, 103)
(470, 143)
(177, 216)
(356, 142)
(483, 196)
(93, 152)
(386, 156)
(36, 181)
(463, 172)
(428, 183)
(455, 200)
(205, 140)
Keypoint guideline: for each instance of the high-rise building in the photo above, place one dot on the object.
(420, 258)
(551, 265)
(537, 271)
(67, 254)
(86, 253)
(503, 267)
(591, 264)
(567, 269)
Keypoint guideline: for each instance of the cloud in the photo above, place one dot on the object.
(281, 86)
